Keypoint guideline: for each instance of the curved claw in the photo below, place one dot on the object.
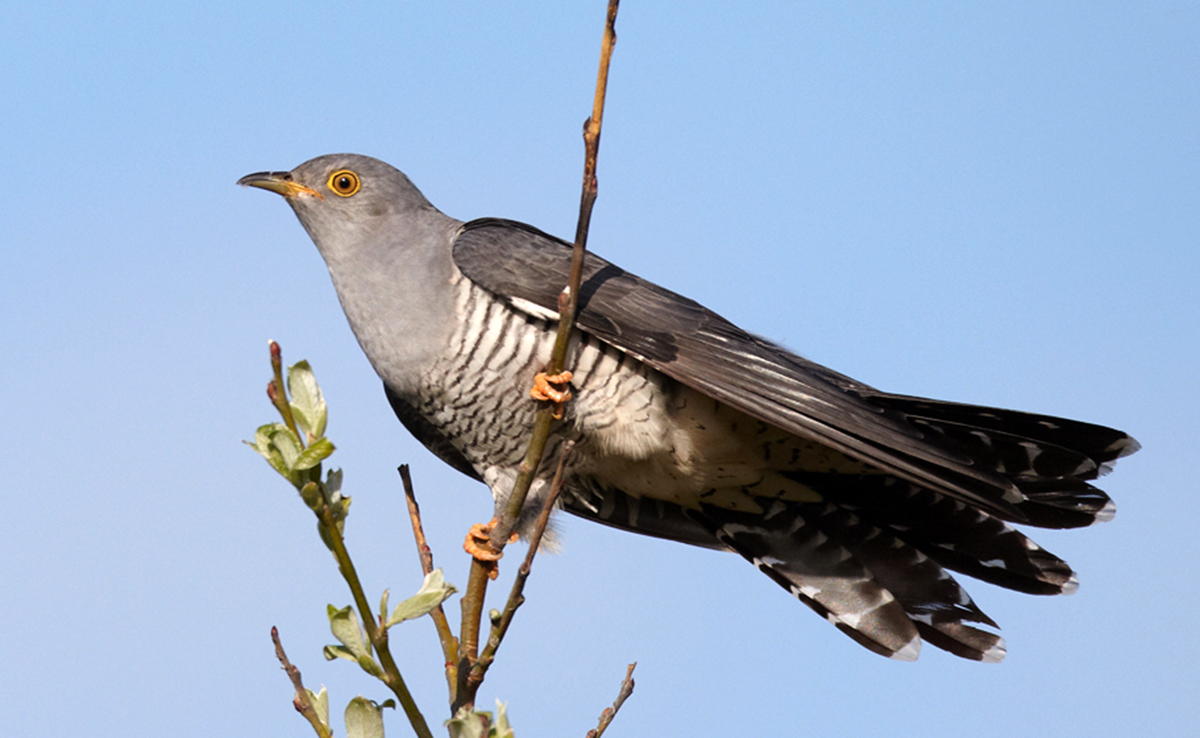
(542, 390)
(477, 544)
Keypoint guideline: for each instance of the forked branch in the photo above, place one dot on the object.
(476, 589)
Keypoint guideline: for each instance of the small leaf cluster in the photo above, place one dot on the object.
(470, 724)
(363, 717)
(355, 646)
(281, 444)
(296, 447)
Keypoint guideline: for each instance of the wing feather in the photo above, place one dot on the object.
(699, 348)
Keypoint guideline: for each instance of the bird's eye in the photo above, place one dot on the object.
(344, 182)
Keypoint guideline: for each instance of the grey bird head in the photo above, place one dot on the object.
(348, 200)
(387, 249)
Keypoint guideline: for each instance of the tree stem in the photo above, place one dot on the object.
(376, 636)
(476, 590)
(445, 634)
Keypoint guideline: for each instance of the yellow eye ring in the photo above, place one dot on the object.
(344, 182)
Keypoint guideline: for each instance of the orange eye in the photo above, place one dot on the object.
(344, 182)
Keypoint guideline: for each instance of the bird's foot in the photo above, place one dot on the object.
(477, 544)
(543, 390)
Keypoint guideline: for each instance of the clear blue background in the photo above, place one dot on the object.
(997, 205)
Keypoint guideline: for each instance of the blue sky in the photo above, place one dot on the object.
(997, 205)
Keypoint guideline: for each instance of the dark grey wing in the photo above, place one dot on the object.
(699, 348)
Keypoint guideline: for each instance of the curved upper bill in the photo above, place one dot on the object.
(277, 182)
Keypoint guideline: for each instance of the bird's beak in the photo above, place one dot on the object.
(278, 182)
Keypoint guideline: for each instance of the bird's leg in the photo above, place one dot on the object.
(542, 390)
(477, 545)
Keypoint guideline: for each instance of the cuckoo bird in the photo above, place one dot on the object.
(688, 428)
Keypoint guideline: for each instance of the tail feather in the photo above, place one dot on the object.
(1064, 503)
(1100, 444)
(939, 607)
(1049, 459)
(879, 590)
(817, 569)
(955, 535)
(1009, 454)
(965, 641)
(870, 554)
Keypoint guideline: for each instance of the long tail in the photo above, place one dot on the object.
(871, 557)
(872, 585)
(1051, 460)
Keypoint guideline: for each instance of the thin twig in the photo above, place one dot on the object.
(376, 635)
(445, 634)
(276, 393)
(473, 597)
(303, 703)
(609, 713)
(328, 523)
(414, 513)
(568, 300)
(516, 596)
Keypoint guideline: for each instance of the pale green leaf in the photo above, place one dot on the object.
(468, 724)
(262, 440)
(308, 405)
(371, 666)
(320, 703)
(333, 484)
(500, 726)
(364, 719)
(338, 652)
(317, 451)
(264, 444)
(345, 627)
(285, 442)
(433, 592)
(311, 494)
